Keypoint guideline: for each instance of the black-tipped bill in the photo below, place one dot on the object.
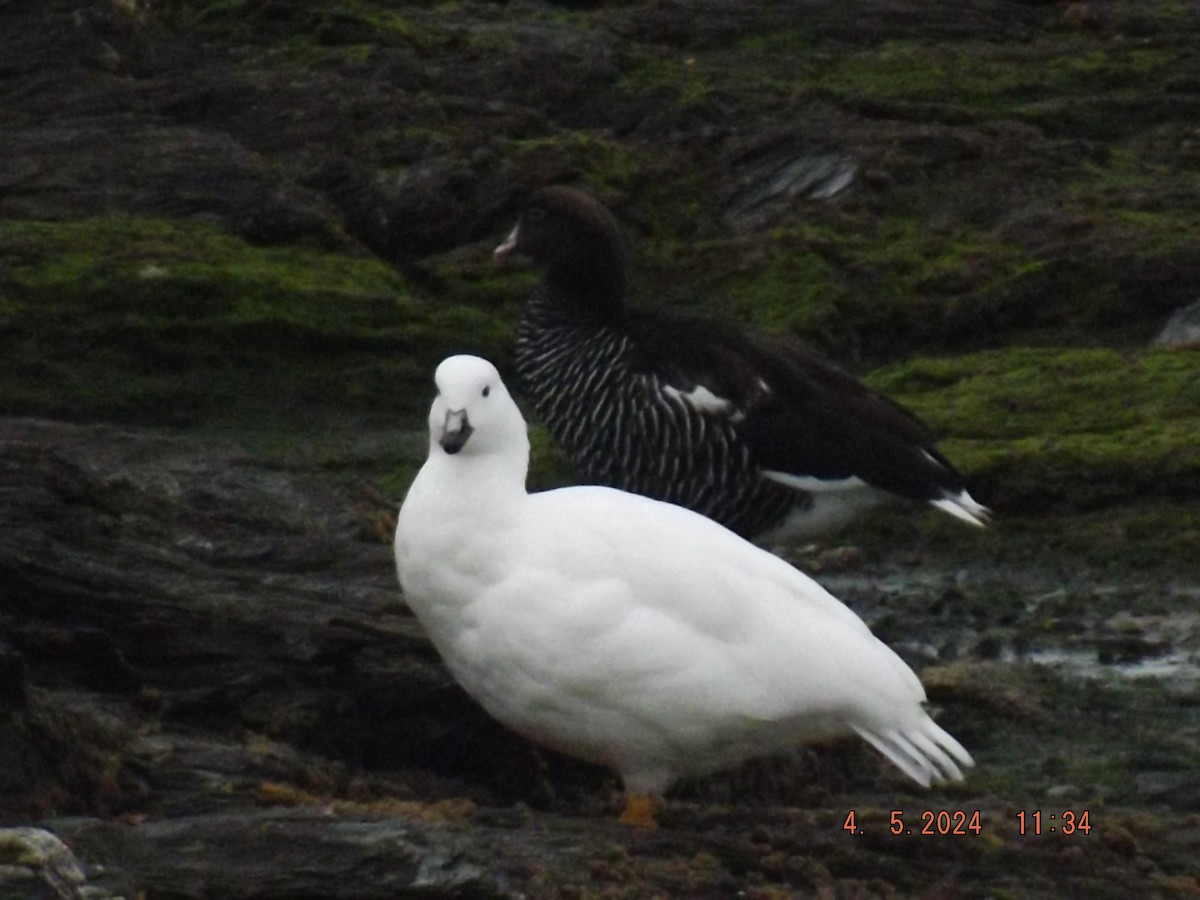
(455, 431)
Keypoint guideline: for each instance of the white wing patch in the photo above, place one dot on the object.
(964, 506)
(701, 399)
(815, 485)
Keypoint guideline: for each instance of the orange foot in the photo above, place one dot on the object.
(639, 811)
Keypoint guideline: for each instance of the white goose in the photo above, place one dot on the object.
(629, 632)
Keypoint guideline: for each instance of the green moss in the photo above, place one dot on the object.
(1139, 201)
(548, 465)
(303, 35)
(776, 281)
(146, 272)
(788, 41)
(1081, 426)
(874, 292)
(985, 77)
(607, 163)
(162, 322)
(1029, 391)
(682, 82)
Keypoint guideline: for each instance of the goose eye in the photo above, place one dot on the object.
(487, 390)
(535, 213)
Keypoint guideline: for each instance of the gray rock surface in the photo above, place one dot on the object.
(206, 660)
(1182, 329)
(36, 865)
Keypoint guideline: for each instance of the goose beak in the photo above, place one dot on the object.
(500, 254)
(455, 431)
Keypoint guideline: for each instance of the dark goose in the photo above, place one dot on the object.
(753, 431)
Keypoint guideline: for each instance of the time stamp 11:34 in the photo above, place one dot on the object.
(969, 822)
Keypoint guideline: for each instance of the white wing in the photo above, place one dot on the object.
(698, 649)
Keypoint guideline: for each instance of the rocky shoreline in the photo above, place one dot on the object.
(205, 646)
(235, 238)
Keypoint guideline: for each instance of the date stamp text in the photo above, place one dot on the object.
(965, 822)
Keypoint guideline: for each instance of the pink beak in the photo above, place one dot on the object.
(500, 254)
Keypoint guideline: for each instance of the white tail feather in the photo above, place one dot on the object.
(964, 506)
(925, 754)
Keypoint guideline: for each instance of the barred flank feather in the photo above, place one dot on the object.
(623, 430)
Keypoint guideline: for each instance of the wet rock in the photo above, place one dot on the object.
(1182, 330)
(1179, 790)
(14, 682)
(776, 179)
(36, 865)
(152, 574)
(300, 854)
(163, 584)
(208, 650)
(1062, 792)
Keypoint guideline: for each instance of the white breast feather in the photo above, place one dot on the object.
(639, 635)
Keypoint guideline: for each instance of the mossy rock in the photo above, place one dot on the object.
(1040, 428)
(180, 323)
